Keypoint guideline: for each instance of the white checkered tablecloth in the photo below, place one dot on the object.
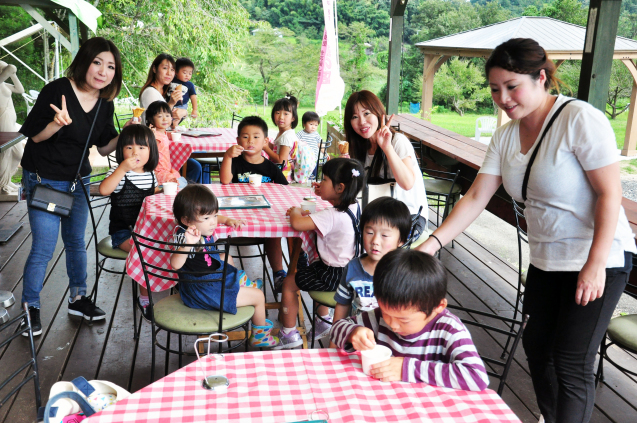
(180, 150)
(156, 221)
(286, 386)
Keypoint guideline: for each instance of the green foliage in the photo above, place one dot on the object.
(460, 85)
(572, 11)
(210, 32)
(619, 89)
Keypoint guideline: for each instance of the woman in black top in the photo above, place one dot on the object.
(57, 129)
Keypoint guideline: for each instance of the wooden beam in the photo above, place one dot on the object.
(75, 39)
(395, 55)
(46, 25)
(630, 140)
(601, 31)
(485, 53)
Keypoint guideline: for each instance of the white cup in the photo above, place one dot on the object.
(308, 206)
(175, 136)
(255, 180)
(170, 188)
(378, 354)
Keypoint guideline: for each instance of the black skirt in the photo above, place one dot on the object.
(317, 276)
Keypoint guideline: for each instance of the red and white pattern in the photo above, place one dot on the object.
(156, 221)
(180, 150)
(286, 386)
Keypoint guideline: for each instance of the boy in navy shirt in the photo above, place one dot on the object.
(183, 74)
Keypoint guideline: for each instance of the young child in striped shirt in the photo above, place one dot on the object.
(429, 344)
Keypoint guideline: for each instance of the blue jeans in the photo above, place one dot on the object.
(44, 234)
(193, 171)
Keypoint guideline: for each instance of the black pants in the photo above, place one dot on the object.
(562, 338)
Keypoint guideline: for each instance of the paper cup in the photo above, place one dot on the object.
(175, 136)
(255, 180)
(378, 354)
(308, 206)
(170, 188)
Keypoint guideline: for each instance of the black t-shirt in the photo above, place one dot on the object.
(58, 157)
(269, 171)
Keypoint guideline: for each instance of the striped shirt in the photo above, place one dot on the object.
(442, 354)
(313, 140)
(142, 180)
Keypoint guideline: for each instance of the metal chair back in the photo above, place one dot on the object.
(236, 118)
(496, 367)
(322, 154)
(30, 366)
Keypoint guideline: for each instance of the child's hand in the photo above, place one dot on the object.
(362, 339)
(130, 163)
(192, 235)
(235, 223)
(317, 188)
(389, 370)
(234, 151)
(194, 114)
(292, 210)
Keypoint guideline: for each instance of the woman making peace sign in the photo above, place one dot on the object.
(57, 128)
(383, 155)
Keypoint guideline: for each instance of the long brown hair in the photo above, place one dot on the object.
(524, 56)
(85, 56)
(358, 146)
(153, 71)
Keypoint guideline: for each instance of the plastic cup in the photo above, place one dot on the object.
(175, 136)
(255, 180)
(378, 354)
(308, 206)
(170, 188)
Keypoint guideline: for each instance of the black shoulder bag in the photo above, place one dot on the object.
(51, 200)
(525, 183)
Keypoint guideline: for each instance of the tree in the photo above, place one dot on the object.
(621, 83)
(459, 84)
(437, 18)
(572, 11)
(210, 32)
(354, 62)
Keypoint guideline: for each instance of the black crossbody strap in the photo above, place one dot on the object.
(357, 230)
(537, 148)
(88, 141)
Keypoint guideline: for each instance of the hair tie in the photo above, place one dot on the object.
(356, 173)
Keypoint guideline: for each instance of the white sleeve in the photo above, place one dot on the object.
(149, 96)
(288, 139)
(120, 184)
(491, 164)
(402, 146)
(593, 139)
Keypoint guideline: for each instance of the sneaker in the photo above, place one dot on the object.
(278, 281)
(290, 340)
(36, 324)
(144, 310)
(321, 328)
(86, 308)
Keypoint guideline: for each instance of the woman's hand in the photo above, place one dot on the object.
(430, 246)
(590, 283)
(384, 135)
(62, 117)
(175, 97)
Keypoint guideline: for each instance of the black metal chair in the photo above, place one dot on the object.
(236, 118)
(504, 362)
(442, 189)
(171, 315)
(622, 332)
(518, 209)
(122, 119)
(31, 365)
(322, 154)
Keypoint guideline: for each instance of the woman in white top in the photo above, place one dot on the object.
(160, 75)
(580, 242)
(384, 155)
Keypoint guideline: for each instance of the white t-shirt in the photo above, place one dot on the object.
(335, 236)
(142, 180)
(416, 196)
(149, 95)
(560, 206)
(286, 139)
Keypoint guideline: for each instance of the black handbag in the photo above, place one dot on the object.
(51, 200)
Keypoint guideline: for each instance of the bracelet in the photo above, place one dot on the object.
(436, 238)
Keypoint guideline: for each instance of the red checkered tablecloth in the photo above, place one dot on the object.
(180, 150)
(156, 221)
(286, 386)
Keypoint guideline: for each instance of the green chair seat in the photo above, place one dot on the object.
(423, 237)
(173, 315)
(439, 186)
(325, 298)
(623, 331)
(106, 249)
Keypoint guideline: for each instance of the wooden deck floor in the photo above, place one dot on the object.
(106, 350)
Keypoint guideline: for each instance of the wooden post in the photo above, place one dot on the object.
(599, 46)
(428, 86)
(630, 140)
(502, 117)
(395, 54)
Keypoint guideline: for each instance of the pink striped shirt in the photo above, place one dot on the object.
(442, 354)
